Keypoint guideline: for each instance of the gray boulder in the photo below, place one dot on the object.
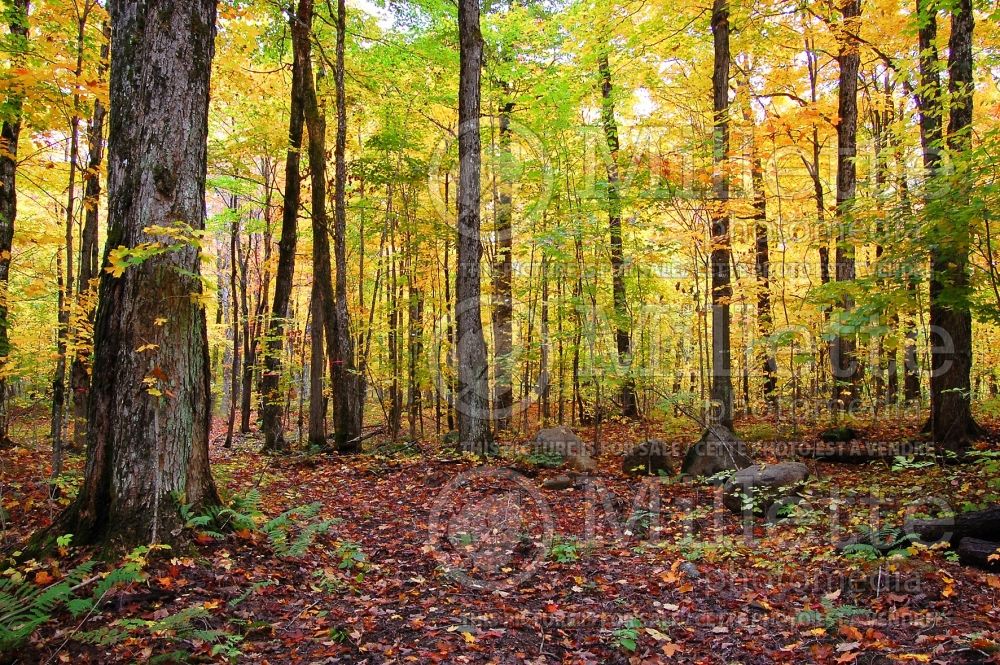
(562, 482)
(765, 485)
(562, 441)
(648, 458)
(718, 450)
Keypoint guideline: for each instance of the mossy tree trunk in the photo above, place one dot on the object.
(147, 445)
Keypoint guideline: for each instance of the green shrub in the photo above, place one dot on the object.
(564, 550)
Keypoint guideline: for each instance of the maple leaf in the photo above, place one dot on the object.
(671, 649)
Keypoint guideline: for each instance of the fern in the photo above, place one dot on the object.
(187, 625)
(24, 606)
(278, 530)
(242, 513)
(127, 574)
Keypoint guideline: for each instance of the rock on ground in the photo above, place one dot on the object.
(648, 458)
(765, 484)
(718, 450)
(562, 441)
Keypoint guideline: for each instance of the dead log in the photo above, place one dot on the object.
(976, 552)
(980, 524)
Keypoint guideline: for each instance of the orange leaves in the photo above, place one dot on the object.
(44, 578)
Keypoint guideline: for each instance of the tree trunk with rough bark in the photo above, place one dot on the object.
(234, 313)
(147, 446)
(623, 336)
(952, 425)
(17, 18)
(350, 384)
(317, 371)
(272, 425)
(472, 402)
(722, 383)
(762, 267)
(503, 298)
(846, 369)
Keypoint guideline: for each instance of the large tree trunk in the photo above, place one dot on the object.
(846, 370)
(150, 405)
(349, 397)
(272, 425)
(472, 402)
(623, 336)
(11, 132)
(503, 299)
(722, 383)
(86, 291)
(952, 425)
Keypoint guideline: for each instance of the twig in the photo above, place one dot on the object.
(79, 626)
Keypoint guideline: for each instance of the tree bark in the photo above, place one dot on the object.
(234, 313)
(762, 267)
(472, 402)
(17, 18)
(317, 370)
(416, 349)
(722, 383)
(274, 438)
(952, 425)
(623, 336)
(147, 447)
(503, 298)
(350, 384)
(846, 367)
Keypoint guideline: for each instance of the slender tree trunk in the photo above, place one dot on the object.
(274, 439)
(847, 369)
(349, 382)
(813, 167)
(416, 348)
(884, 376)
(952, 424)
(503, 299)
(317, 371)
(249, 337)
(324, 317)
(450, 326)
(623, 337)
(86, 289)
(17, 17)
(234, 381)
(395, 325)
(762, 268)
(150, 407)
(67, 282)
(472, 402)
(722, 383)
(544, 382)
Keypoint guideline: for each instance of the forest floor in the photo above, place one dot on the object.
(381, 586)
